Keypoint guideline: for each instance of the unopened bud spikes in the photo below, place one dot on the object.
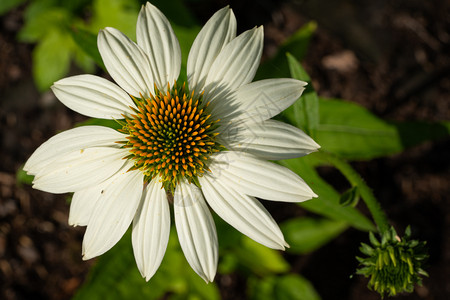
(393, 264)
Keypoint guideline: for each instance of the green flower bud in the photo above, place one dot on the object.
(394, 265)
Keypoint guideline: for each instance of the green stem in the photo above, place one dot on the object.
(366, 193)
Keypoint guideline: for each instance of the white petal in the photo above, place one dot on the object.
(261, 100)
(126, 62)
(113, 212)
(217, 32)
(251, 176)
(83, 203)
(80, 169)
(71, 140)
(155, 35)
(93, 96)
(270, 139)
(196, 230)
(151, 228)
(244, 213)
(235, 65)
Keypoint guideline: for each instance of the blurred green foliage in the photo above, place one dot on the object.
(306, 112)
(285, 287)
(23, 178)
(115, 276)
(7, 5)
(55, 27)
(307, 234)
(66, 31)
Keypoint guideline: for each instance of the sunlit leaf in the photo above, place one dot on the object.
(51, 59)
(100, 122)
(115, 276)
(23, 178)
(327, 204)
(305, 235)
(304, 113)
(259, 259)
(294, 286)
(120, 14)
(353, 132)
(41, 20)
(285, 287)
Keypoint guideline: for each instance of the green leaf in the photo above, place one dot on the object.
(100, 122)
(51, 58)
(84, 61)
(7, 5)
(185, 36)
(228, 263)
(177, 12)
(42, 19)
(304, 113)
(305, 235)
(296, 70)
(260, 259)
(87, 41)
(327, 204)
(48, 22)
(120, 14)
(228, 236)
(297, 45)
(352, 132)
(289, 287)
(350, 197)
(261, 288)
(115, 276)
(292, 286)
(414, 133)
(23, 178)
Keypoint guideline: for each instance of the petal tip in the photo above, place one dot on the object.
(149, 5)
(280, 246)
(86, 257)
(315, 146)
(208, 277)
(26, 167)
(148, 276)
(302, 83)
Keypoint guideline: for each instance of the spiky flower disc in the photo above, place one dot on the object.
(394, 265)
(170, 135)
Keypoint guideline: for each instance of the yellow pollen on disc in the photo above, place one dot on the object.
(167, 132)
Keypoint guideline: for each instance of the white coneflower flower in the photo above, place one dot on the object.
(208, 140)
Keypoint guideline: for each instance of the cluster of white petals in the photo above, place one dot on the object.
(108, 197)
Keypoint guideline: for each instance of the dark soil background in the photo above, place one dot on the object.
(389, 56)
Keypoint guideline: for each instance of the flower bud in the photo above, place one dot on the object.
(394, 265)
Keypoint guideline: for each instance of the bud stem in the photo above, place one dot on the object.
(366, 193)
